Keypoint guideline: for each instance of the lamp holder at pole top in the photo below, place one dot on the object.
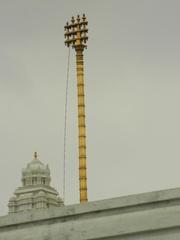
(76, 32)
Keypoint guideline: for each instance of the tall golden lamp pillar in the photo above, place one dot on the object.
(75, 35)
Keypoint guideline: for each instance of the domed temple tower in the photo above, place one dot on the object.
(36, 191)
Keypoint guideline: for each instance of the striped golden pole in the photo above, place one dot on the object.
(75, 34)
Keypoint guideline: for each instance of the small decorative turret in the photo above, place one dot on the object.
(36, 191)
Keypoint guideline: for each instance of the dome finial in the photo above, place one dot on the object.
(35, 155)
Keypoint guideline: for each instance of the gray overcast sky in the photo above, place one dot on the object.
(132, 95)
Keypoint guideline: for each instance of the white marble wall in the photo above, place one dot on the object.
(150, 216)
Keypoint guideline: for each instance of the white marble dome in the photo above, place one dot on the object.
(36, 167)
(36, 172)
(35, 191)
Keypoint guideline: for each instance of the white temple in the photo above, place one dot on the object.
(36, 191)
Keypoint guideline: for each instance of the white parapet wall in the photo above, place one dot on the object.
(151, 216)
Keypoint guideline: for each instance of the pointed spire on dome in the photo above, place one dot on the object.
(35, 156)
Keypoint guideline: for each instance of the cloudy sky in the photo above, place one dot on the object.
(132, 86)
